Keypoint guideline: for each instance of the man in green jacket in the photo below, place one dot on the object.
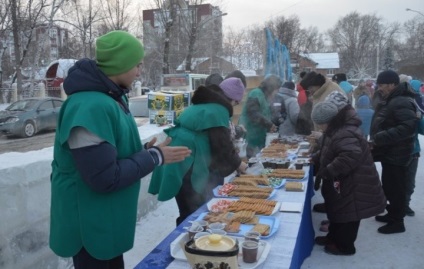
(98, 158)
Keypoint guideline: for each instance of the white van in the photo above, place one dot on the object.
(181, 82)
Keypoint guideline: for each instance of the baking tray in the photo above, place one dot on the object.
(215, 200)
(273, 222)
(177, 251)
(216, 193)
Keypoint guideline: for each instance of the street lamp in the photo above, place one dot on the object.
(416, 11)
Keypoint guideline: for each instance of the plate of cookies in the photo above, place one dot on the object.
(238, 223)
(259, 206)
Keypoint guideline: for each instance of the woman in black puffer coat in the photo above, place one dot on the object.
(351, 187)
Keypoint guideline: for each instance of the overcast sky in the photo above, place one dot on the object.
(320, 13)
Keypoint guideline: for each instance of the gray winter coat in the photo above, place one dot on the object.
(288, 100)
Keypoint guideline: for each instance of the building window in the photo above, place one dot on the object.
(330, 71)
(53, 33)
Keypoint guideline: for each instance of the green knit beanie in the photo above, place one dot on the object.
(118, 52)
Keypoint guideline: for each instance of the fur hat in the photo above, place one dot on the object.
(118, 52)
(288, 85)
(238, 74)
(339, 77)
(337, 99)
(312, 79)
(233, 88)
(404, 78)
(324, 112)
(388, 77)
(214, 78)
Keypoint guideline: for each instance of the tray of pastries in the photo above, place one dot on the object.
(233, 190)
(238, 223)
(259, 206)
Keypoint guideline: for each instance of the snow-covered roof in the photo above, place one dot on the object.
(194, 63)
(248, 72)
(63, 67)
(324, 60)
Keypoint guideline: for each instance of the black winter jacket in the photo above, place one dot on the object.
(393, 127)
(345, 159)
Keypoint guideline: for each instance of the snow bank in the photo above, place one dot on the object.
(25, 206)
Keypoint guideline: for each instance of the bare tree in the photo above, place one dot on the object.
(117, 14)
(359, 40)
(5, 28)
(25, 18)
(412, 50)
(82, 17)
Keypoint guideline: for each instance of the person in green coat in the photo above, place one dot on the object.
(203, 128)
(256, 115)
(98, 158)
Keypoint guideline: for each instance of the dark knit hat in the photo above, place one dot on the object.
(238, 74)
(288, 85)
(214, 78)
(118, 52)
(388, 77)
(312, 79)
(324, 112)
(233, 88)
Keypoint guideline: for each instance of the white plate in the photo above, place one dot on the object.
(177, 251)
(216, 200)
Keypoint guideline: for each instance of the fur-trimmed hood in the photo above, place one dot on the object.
(211, 94)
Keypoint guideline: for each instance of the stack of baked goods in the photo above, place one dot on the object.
(251, 180)
(294, 186)
(259, 206)
(286, 173)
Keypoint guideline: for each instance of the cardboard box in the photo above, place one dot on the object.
(186, 96)
(168, 101)
(162, 117)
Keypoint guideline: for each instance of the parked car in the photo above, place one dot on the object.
(145, 90)
(138, 106)
(29, 116)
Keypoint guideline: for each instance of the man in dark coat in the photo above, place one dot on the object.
(392, 140)
(350, 183)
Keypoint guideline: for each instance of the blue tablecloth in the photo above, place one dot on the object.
(160, 256)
